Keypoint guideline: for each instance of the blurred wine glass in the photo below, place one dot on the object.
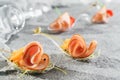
(11, 20)
(13, 17)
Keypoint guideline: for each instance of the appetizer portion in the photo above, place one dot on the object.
(62, 23)
(102, 15)
(76, 47)
(30, 57)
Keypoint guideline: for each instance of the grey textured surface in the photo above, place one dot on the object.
(104, 67)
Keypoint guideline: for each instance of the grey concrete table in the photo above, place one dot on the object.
(104, 67)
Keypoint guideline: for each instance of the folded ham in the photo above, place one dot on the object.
(77, 48)
(62, 23)
(30, 57)
(102, 15)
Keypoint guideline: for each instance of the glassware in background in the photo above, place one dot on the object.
(12, 18)
(85, 15)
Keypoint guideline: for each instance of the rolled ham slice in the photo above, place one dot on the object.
(102, 15)
(31, 57)
(77, 48)
(62, 23)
